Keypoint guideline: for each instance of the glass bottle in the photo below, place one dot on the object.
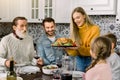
(11, 75)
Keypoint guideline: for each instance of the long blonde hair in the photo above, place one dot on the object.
(101, 47)
(74, 31)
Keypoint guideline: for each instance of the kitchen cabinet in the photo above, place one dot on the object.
(39, 9)
(35, 10)
(62, 11)
(57, 9)
(14, 9)
(9, 10)
(118, 12)
(96, 7)
(4, 10)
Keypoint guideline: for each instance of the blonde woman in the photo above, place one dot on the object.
(83, 30)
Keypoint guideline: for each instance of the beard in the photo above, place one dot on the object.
(21, 34)
(50, 33)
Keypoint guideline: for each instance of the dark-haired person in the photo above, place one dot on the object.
(114, 58)
(17, 44)
(44, 48)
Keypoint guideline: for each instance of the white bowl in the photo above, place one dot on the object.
(49, 69)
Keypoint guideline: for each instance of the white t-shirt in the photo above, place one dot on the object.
(52, 38)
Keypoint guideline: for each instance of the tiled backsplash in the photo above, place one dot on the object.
(106, 23)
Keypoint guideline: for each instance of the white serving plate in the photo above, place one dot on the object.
(4, 78)
(29, 69)
(20, 65)
(3, 75)
(78, 74)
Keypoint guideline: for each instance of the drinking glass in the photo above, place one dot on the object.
(59, 62)
(68, 67)
(36, 56)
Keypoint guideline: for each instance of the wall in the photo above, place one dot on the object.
(106, 23)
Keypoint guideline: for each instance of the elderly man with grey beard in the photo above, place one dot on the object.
(17, 44)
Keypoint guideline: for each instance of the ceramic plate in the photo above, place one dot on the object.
(29, 69)
(3, 75)
(78, 74)
(4, 78)
(20, 65)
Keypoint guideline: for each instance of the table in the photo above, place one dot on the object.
(37, 75)
(40, 75)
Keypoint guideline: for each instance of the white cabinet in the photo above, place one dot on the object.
(59, 10)
(39, 9)
(11, 9)
(62, 11)
(14, 9)
(96, 7)
(35, 10)
(118, 12)
(4, 10)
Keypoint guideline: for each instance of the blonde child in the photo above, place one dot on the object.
(99, 69)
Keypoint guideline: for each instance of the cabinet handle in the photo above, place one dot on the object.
(38, 19)
(117, 19)
(41, 19)
(91, 8)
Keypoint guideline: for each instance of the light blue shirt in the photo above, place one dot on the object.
(46, 51)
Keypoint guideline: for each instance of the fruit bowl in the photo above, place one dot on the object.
(49, 69)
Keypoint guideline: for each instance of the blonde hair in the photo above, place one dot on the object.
(101, 46)
(74, 28)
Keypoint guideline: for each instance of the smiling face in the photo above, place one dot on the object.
(49, 28)
(20, 28)
(78, 18)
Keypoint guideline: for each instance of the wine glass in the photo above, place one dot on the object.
(36, 55)
(58, 62)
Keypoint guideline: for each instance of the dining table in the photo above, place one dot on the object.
(37, 76)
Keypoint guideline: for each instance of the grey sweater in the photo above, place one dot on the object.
(21, 50)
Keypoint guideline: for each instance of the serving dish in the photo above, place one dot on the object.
(49, 69)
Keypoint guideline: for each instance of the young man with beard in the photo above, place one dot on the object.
(44, 48)
(18, 45)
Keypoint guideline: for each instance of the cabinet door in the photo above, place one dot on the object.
(62, 11)
(35, 10)
(9, 10)
(118, 12)
(14, 9)
(24, 8)
(96, 7)
(4, 10)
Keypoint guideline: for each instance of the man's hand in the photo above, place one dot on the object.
(7, 63)
(40, 61)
